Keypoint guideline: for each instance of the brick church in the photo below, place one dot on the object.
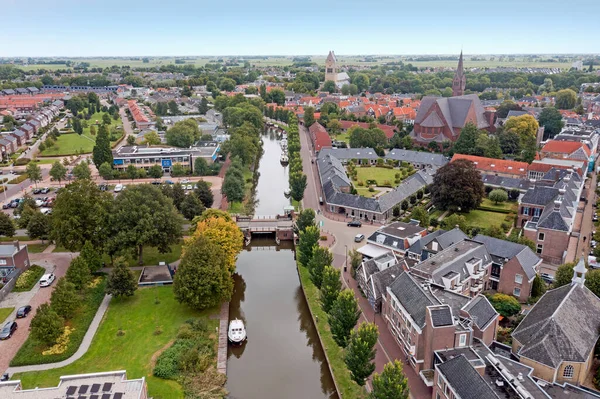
(442, 118)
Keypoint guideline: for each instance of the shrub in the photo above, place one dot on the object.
(433, 222)
(22, 161)
(360, 183)
(323, 238)
(506, 305)
(387, 183)
(28, 278)
(371, 189)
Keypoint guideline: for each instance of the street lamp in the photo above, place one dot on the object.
(346, 259)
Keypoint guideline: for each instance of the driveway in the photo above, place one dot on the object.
(59, 263)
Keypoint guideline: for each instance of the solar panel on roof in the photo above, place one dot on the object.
(95, 388)
(83, 389)
(82, 397)
(106, 396)
(94, 397)
(71, 390)
(118, 395)
(107, 387)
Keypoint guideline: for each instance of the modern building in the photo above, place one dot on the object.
(13, 255)
(145, 157)
(105, 385)
(396, 237)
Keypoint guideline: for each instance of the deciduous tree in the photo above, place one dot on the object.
(102, 151)
(91, 257)
(224, 232)
(551, 119)
(306, 218)
(360, 352)
(457, 185)
(105, 171)
(506, 305)
(191, 207)
(58, 172)
(204, 193)
(321, 257)
(343, 317)
(34, 173)
(121, 281)
(391, 383)
(82, 171)
(498, 195)
(46, 325)
(330, 287)
(64, 299)
(7, 226)
(78, 273)
(308, 239)
(565, 99)
(38, 227)
(309, 116)
(155, 171)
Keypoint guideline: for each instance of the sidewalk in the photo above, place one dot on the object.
(83, 348)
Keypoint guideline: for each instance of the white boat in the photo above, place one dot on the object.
(284, 159)
(236, 332)
(283, 143)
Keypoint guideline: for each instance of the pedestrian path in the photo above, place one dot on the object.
(83, 348)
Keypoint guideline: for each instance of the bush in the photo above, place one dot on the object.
(371, 189)
(22, 161)
(506, 305)
(433, 222)
(498, 196)
(360, 183)
(323, 238)
(29, 278)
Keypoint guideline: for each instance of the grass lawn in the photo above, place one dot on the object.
(502, 206)
(40, 161)
(138, 317)
(14, 238)
(4, 313)
(36, 248)
(342, 137)
(335, 354)
(365, 192)
(484, 219)
(151, 256)
(379, 174)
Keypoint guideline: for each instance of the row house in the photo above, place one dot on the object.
(434, 243)
(496, 167)
(424, 318)
(545, 169)
(319, 137)
(13, 143)
(375, 275)
(462, 268)
(396, 237)
(20, 136)
(572, 150)
(418, 159)
(547, 216)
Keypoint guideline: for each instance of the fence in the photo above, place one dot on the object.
(12, 281)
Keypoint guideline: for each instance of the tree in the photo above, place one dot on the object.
(203, 278)
(183, 133)
(356, 259)
(391, 383)
(191, 207)
(105, 170)
(58, 171)
(306, 218)
(551, 119)
(506, 107)
(308, 239)
(419, 213)
(565, 99)
(309, 116)
(329, 86)
(38, 226)
(201, 167)
(34, 173)
(467, 141)
(203, 106)
(131, 171)
(78, 273)
(152, 138)
(143, 216)
(80, 214)
(298, 182)
(321, 257)
(102, 151)
(361, 81)
(178, 195)
(506, 305)
(233, 187)
(7, 227)
(360, 352)
(155, 171)
(343, 316)
(538, 287)
(130, 140)
(222, 230)
(204, 193)
(498, 195)
(64, 298)
(361, 137)
(46, 325)
(121, 281)
(457, 186)
(330, 287)
(563, 275)
(106, 119)
(173, 108)
(454, 220)
(82, 171)
(91, 257)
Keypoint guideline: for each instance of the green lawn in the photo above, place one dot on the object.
(138, 317)
(335, 354)
(4, 313)
(71, 143)
(365, 192)
(41, 161)
(342, 137)
(502, 206)
(484, 219)
(36, 248)
(151, 256)
(380, 174)
(14, 238)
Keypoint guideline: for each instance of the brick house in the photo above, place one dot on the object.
(13, 256)
(565, 150)
(434, 243)
(497, 167)
(514, 266)
(319, 137)
(375, 275)
(426, 317)
(558, 336)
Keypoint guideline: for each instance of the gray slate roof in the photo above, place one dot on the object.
(454, 110)
(505, 182)
(441, 316)
(350, 153)
(417, 157)
(507, 250)
(539, 195)
(383, 279)
(563, 325)
(481, 311)
(412, 297)
(464, 379)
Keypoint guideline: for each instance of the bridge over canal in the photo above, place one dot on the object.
(281, 226)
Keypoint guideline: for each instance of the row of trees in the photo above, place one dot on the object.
(297, 178)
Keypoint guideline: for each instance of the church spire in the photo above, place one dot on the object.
(579, 273)
(460, 81)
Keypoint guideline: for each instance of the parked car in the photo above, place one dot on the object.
(37, 190)
(185, 181)
(8, 330)
(156, 182)
(189, 187)
(47, 279)
(169, 182)
(547, 278)
(118, 188)
(23, 311)
(355, 223)
(359, 237)
(45, 190)
(103, 187)
(6, 206)
(39, 202)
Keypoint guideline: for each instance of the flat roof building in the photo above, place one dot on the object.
(145, 157)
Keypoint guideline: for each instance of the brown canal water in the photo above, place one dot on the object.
(282, 357)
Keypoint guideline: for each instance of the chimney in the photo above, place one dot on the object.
(16, 244)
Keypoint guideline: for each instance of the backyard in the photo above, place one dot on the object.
(363, 177)
(140, 318)
(485, 219)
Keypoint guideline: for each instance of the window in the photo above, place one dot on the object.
(541, 236)
(537, 212)
(539, 249)
(518, 278)
(2, 261)
(440, 382)
(517, 292)
(568, 372)
(462, 339)
(525, 211)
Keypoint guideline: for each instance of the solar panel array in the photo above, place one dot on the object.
(79, 392)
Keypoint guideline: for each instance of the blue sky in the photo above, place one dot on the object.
(236, 27)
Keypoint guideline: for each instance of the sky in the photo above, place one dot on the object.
(86, 28)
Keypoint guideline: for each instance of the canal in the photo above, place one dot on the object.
(283, 357)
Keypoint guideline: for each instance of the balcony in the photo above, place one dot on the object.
(476, 288)
(427, 377)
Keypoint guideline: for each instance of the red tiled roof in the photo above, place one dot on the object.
(320, 137)
(495, 165)
(388, 130)
(564, 147)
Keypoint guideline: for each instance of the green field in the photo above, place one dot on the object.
(377, 173)
(36, 248)
(484, 219)
(138, 317)
(507, 206)
(4, 313)
(71, 143)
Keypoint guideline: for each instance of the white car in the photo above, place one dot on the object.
(39, 203)
(189, 187)
(118, 188)
(47, 279)
(184, 181)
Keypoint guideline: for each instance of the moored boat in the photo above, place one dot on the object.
(236, 332)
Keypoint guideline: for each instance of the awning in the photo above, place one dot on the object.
(372, 251)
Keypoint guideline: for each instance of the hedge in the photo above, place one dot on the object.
(18, 179)
(497, 210)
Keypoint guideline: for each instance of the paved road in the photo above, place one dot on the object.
(387, 348)
(60, 263)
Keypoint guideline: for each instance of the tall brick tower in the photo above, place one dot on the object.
(331, 67)
(460, 80)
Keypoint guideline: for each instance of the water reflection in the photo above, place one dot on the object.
(273, 182)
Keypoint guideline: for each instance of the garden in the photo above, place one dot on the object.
(385, 174)
(27, 280)
(132, 336)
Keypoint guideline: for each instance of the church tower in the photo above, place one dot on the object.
(331, 67)
(460, 80)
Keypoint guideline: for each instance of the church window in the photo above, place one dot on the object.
(568, 372)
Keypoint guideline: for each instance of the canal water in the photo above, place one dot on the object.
(282, 357)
